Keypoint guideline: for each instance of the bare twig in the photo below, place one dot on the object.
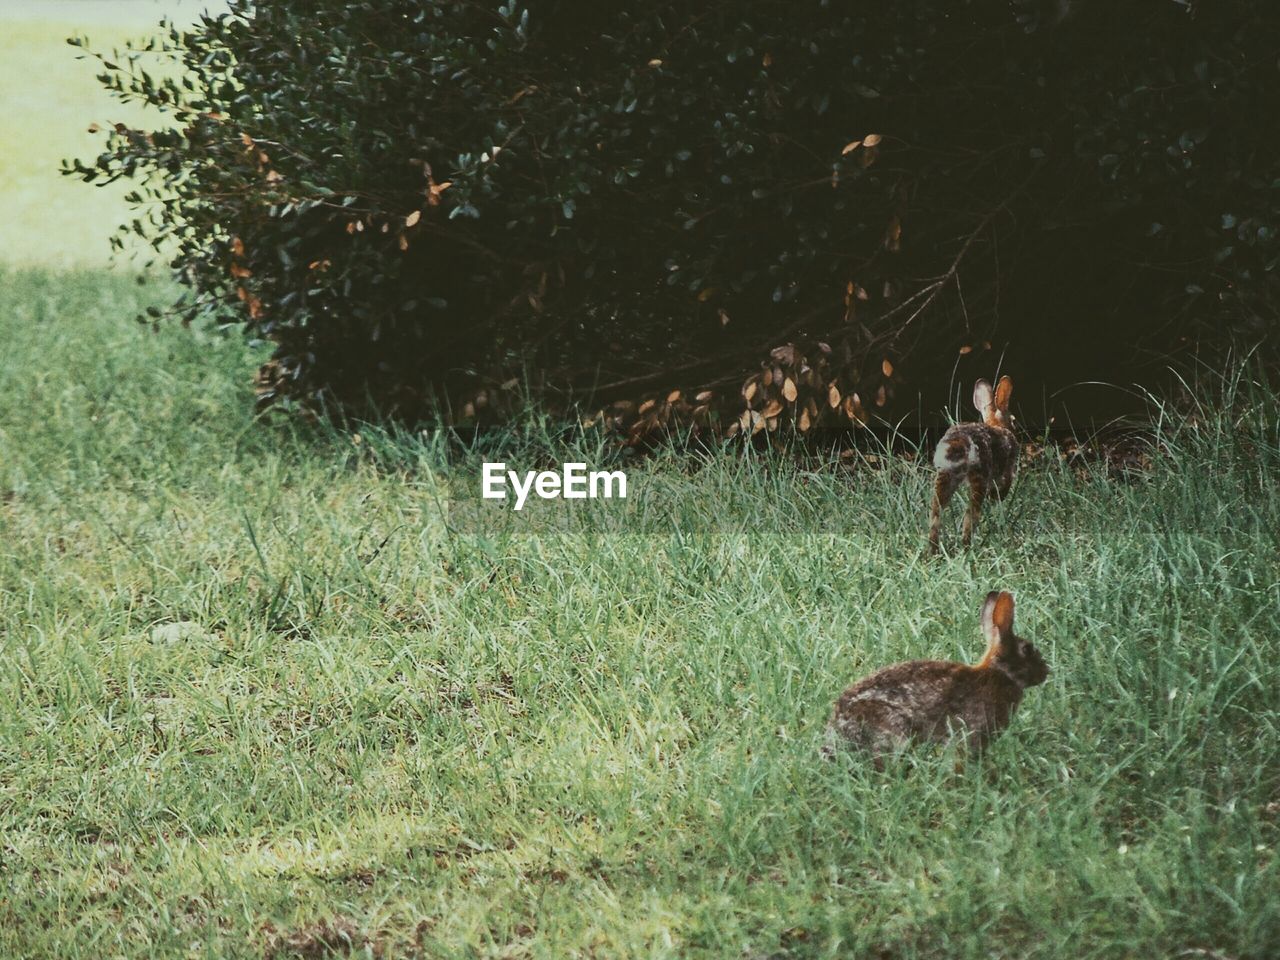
(930, 292)
(935, 288)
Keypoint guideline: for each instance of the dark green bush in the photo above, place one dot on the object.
(419, 200)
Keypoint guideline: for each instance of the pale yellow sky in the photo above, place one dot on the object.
(48, 101)
(104, 12)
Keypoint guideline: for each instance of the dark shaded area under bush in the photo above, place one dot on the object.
(420, 203)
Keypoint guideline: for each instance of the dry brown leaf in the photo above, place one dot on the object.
(856, 412)
(749, 389)
(646, 407)
(435, 189)
(237, 246)
(240, 272)
(881, 396)
(724, 318)
(673, 396)
(893, 235)
(886, 367)
(321, 265)
(789, 390)
(767, 379)
(413, 218)
(273, 177)
(767, 60)
(966, 349)
(404, 242)
(833, 396)
(655, 62)
(771, 409)
(704, 396)
(850, 147)
(804, 421)
(871, 139)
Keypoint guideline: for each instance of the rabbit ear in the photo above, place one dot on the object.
(982, 396)
(1002, 616)
(989, 628)
(1004, 390)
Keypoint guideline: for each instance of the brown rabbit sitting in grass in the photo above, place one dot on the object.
(986, 453)
(926, 699)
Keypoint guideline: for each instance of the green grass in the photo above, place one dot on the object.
(267, 686)
(376, 717)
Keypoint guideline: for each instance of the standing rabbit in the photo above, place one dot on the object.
(926, 699)
(986, 453)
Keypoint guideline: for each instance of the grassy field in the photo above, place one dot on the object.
(261, 697)
(275, 690)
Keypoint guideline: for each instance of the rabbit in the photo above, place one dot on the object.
(986, 453)
(928, 699)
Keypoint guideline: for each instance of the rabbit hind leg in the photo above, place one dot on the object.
(943, 489)
(873, 727)
(977, 493)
